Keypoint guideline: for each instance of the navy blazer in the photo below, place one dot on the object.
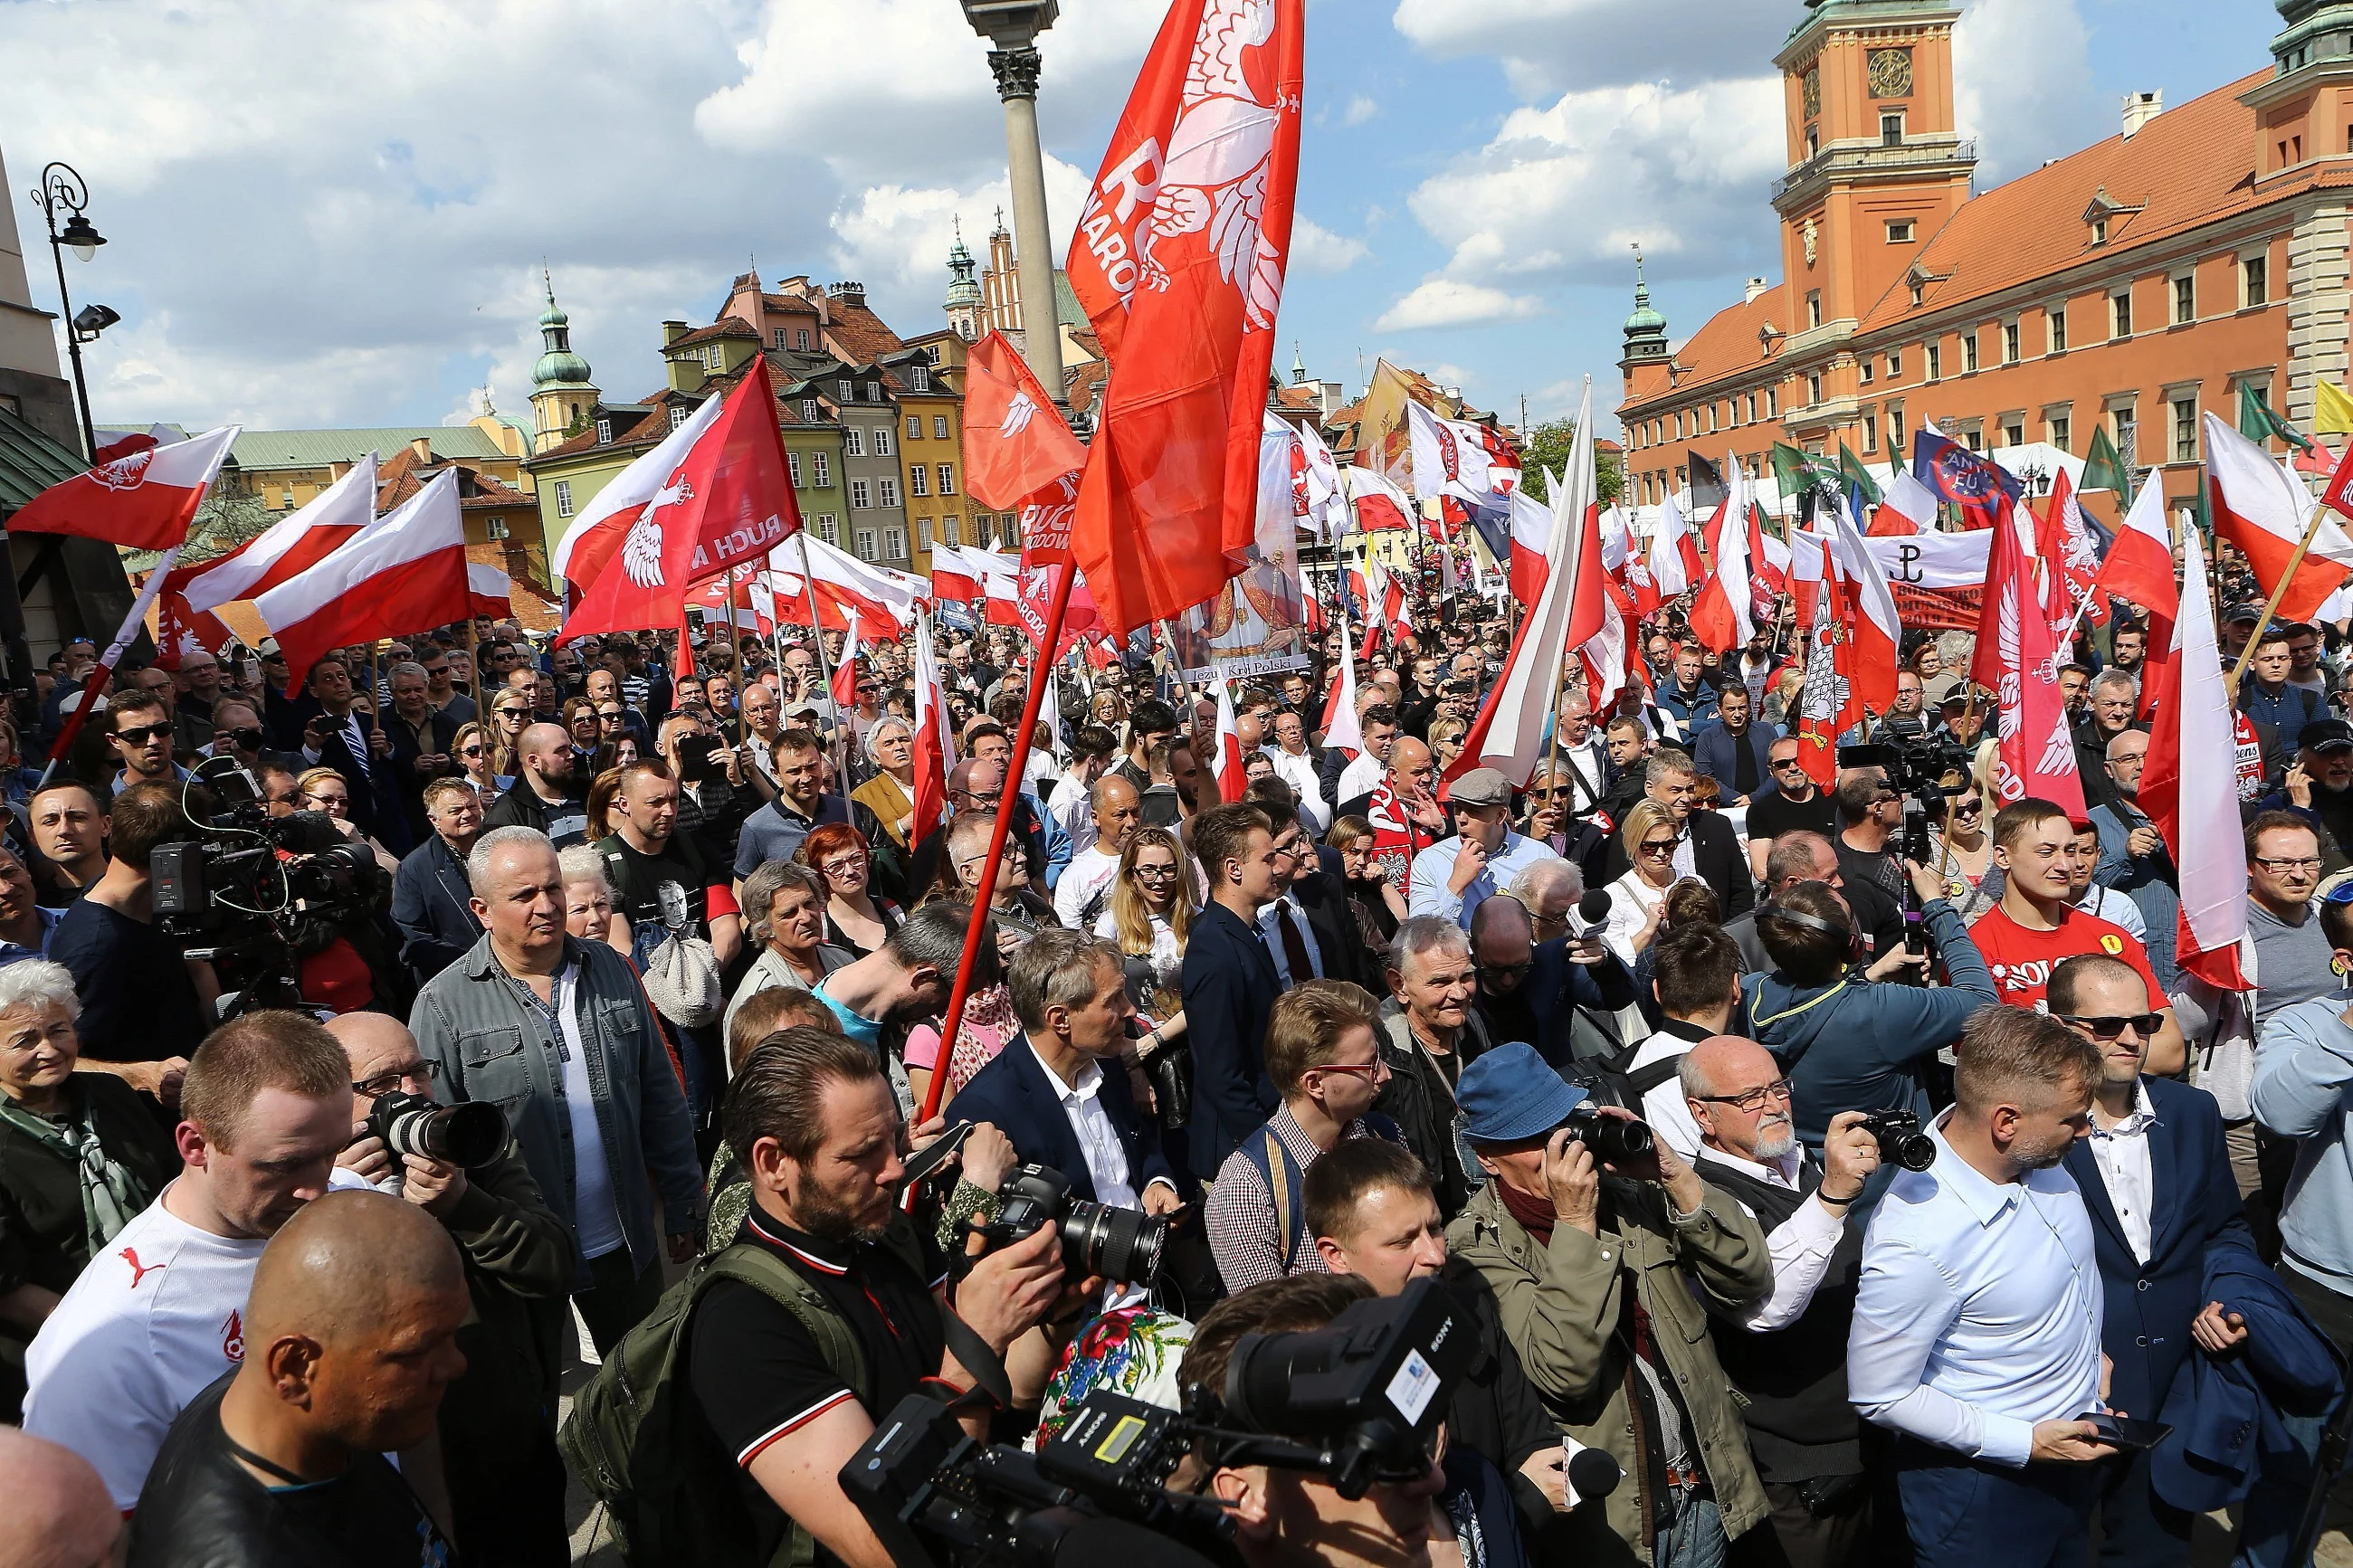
(1716, 753)
(1338, 944)
(1230, 988)
(431, 908)
(1014, 1094)
(2195, 1207)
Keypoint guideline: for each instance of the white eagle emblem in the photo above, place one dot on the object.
(1825, 689)
(126, 473)
(1017, 415)
(642, 550)
(1220, 157)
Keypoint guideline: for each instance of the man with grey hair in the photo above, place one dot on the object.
(559, 1033)
(1550, 891)
(2111, 702)
(1561, 995)
(1430, 1031)
(1061, 1095)
(424, 743)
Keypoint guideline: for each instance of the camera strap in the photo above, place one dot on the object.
(972, 1353)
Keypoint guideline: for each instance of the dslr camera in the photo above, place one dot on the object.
(1122, 1245)
(471, 1135)
(1901, 1142)
(1610, 1139)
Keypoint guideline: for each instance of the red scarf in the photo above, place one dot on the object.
(1535, 1214)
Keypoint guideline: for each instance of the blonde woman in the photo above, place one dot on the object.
(1651, 836)
(1446, 740)
(510, 716)
(472, 749)
(1149, 914)
(325, 790)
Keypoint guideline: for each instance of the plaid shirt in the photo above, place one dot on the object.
(1244, 1233)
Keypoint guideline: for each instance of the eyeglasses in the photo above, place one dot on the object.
(1749, 1099)
(1968, 806)
(470, 750)
(1371, 1070)
(1506, 971)
(511, 712)
(140, 734)
(842, 865)
(1779, 763)
(2146, 1026)
(610, 715)
(392, 1078)
(2282, 867)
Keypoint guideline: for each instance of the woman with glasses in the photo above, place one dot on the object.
(889, 794)
(1446, 740)
(326, 791)
(580, 721)
(839, 854)
(79, 1155)
(1148, 914)
(1638, 900)
(472, 749)
(784, 909)
(1964, 849)
(1546, 820)
(1018, 915)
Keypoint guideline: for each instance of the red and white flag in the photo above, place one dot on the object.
(291, 545)
(845, 673)
(488, 590)
(1533, 523)
(579, 556)
(1381, 506)
(1875, 629)
(1340, 726)
(842, 583)
(1909, 507)
(2189, 789)
(1449, 457)
(405, 574)
(1509, 733)
(2014, 658)
(1720, 616)
(1674, 553)
(1328, 501)
(1828, 704)
(141, 501)
(2262, 508)
(1232, 781)
(934, 747)
(1016, 442)
(1179, 260)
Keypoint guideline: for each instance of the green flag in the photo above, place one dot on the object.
(2258, 422)
(1858, 477)
(1797, 472)
(2104, 469)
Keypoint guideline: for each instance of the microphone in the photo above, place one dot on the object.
(1588, 1474)
(1594, 908)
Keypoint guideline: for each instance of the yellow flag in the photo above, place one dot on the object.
(2332, 411)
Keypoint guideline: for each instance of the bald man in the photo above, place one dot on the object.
(505, 1476)
(351, 1338)
(1405, 816)
(545, 795)
(58, 1513)
(1085, 885)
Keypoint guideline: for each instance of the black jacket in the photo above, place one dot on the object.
(1715, 856)
(521, 808)
(430, 909)
(42, 1241)
(375, 794)
(1013, 1094)
(1230, 988)
(1424, 1112)
(1334, 925)
(440, 737)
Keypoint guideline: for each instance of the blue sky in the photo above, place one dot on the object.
(335, 214)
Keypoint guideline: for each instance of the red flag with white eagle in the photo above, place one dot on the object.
(728, 502)
(143, 500)
(405, 574)
(845, 669)
(1015, 440)
(2015, 659)
(1178, 259)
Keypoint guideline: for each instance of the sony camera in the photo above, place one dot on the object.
(472, 1134)
(1901, 1142)
(1122, 1245)
(1612, 1140)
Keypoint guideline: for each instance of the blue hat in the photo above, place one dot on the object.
(1512, 1093)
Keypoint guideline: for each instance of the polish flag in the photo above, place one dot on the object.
(1674, 554)
(2015, 659)
(845, 673)
(488, 590)
(1509, 733)
(1327, 501)
(842, 583)
(1720, 616)
(597, 532)
(1807, 570)
(1232, 781)
(2190, 786)
(1381, 506)
(1875, 630)
(1532, 528)
(291, 545)
(1909, 507)
(1340, 726)
(1016, 442)
(2264, 509)
(934, 748)
(1828, 704)
(953, 577)
(141, 501)
(403, 576)
(1617, 540)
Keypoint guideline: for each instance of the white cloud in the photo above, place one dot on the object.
(1550, 47)
(895, 240)
(1360, 109)
(1317, 250)
(1445, 302)
(2023, 85)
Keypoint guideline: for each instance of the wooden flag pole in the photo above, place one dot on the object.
(2279, 590)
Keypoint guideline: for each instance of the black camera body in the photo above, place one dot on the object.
(472, 1134)
(1901, 1142)
(1611, 1140)
(1122, 1245)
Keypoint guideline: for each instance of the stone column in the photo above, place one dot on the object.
(1017, 84)
(2317, 289)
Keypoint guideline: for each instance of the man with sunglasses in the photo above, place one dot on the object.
(441, 687)
(1790, 802)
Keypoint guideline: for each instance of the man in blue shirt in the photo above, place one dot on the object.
(2269, 698)
(1454, 875)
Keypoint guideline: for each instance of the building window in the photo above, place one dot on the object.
(1711, 418)
(866, 544)
(793, 468)
(889, 494)
(823, 473)
(1813, 391)
(604, 432)
(827, 530)
(2127, 437)
(2058, 318)
(947, 478)
(919, 378)
(873, 392)
(2256, 272)
(1936, 362)
(914, 426)
(882, 440)
(2185, 299)
(2013, 434)
(952, 530)
(1752, 408)
(715, 357)
(2009, 343)
(780, 339)
(1870, 434)
(845, 392)
(923, 534)
(1772, 402)
(1969, 353)
(1895, 365)
(2185, 430)
(811, 411)
(1901, 230)
(1864, 370)
(2099, 231)
(1814, 308)
(801, 339)
(1895, 430)
(1917, 289)
(1891, 130)
(939, 426)
(853, 441)
(1813, 140)
(980, 530)
(2120, 315)
(894, 543)
(2061, 431)
(915, 486)
(564, 498)
(1012, 530)
(860, 494)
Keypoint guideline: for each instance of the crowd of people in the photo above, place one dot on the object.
(1969, 1228)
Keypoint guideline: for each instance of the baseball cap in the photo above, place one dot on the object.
(2249, 613)
(1510, 1094)
(2326, 735)
(1480, 786)
(267, 648)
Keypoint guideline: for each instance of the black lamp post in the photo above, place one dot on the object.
(62, 191)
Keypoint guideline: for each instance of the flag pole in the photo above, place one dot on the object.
(816, 645)
(131, 624)
(1008, 798)
(2279, 590)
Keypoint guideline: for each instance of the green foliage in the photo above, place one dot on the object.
(1547, 449)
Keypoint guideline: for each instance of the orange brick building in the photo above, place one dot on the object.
(2128, 286)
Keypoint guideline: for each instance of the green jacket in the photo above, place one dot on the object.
(1564, 1308)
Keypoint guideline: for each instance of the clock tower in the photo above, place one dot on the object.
(1875, 163)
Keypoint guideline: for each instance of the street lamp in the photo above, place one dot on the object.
(1011, 27)
(62, 191)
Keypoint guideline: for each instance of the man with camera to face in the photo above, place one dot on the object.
(1605, 1263)
(504, 1478)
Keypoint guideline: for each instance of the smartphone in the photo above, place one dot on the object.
(922, 1166)
(2125, 1432)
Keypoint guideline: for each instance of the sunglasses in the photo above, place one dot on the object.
(140, 734)
(2145, 1025)
(470, 750)
(1661, 847)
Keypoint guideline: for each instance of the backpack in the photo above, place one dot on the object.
(643, 1449)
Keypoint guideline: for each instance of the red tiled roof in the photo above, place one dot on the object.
(1727, 345)
(857, 333)
(726, 327)
(1084, 383)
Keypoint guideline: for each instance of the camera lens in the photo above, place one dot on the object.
(1117, 1244)
(470, 1135)
(1610, 1138)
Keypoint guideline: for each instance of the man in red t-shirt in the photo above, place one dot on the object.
(2037, 925)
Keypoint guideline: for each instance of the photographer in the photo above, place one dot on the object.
(499, 1458)
(143, 1005)
(1559, 1236)
(814, 1122)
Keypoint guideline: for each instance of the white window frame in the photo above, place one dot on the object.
(887, 492)
(793, 468)
(828, 529)
(883, 448)
(917, 488)
(564, 498)
(895, 544)
(860, 495)
(939, 426)
(947, 478)
(853, 440)
(822, 471)
(865, 537)
(914, 426)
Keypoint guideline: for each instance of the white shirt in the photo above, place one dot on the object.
(2107, 904)
(1979, 1308)
(1433, 869)
(1300, 773)
(148, 1326)
(1631, 902)
(1073, 807)
(1098, 1138)
(2122, 1154)
(1664, 1107)
(1800, 1246)
(1090, 870)
(1361, 776)
(594, 1218)
(1269, 931)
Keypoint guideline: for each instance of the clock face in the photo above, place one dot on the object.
(1811, 89)
(1891, 73)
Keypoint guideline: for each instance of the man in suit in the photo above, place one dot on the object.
(432, 901)
(1229, 984)
(345, 737)
(2155, 1176)
(1322, 929)
(1064, 1101)
(1710, 850)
